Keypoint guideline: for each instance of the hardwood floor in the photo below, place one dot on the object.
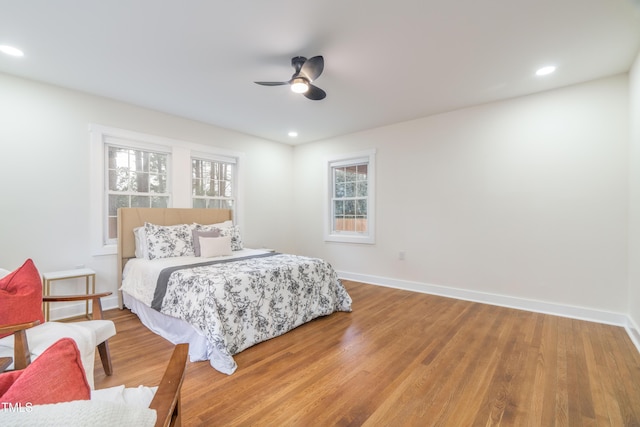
(404, 359)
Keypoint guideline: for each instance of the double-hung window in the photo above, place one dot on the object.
(213, 182)
(132, 169)
(137, 178)
(351, 198)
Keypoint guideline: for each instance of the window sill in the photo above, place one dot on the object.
(105, 250)
(337, 238)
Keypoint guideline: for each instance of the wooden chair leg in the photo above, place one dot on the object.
(176, 418)
(105, 357)
(21, 353)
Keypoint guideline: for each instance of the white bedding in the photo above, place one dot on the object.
(140, 275)
(176, 331)
(224, 308)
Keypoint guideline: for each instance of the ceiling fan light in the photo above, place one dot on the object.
(299, 85)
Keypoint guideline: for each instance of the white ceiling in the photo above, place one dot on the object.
(385, 61)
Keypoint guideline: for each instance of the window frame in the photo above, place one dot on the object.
(129, 145)
(345, 160)
(179, 174)
(220, 159)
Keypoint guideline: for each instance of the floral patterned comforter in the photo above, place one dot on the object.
(241, 303)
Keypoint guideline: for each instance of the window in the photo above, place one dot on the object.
(136, 179)
(350, 198)
(350, 211)
(213, 183)
(131, 169)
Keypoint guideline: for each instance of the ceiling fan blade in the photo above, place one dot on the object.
(315, 93)
(312, 68)
(272, 83)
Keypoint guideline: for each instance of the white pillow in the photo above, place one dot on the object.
(199, 233)
(3, 272)
(141, 243)
(215, 246)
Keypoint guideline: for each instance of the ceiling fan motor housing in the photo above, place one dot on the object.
(306, 71)
(297, 62)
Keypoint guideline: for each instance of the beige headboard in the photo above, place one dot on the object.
(130, 218)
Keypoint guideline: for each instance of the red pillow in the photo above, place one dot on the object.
(56, 376)
(7, 379)
(21, 296)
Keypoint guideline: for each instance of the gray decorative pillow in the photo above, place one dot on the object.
(202, 233)
(233, 231)
(166, 241)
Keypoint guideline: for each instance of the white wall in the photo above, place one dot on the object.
(525, 198)
(44, 175)
(634, 200)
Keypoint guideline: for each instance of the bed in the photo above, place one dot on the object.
(225, 300)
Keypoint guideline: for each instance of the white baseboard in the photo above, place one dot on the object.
(66, 310)
(634, 332)
(610, 318)
(581, 313)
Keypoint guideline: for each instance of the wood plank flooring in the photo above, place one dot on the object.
(404, 359)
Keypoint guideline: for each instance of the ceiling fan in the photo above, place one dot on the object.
(307, 70)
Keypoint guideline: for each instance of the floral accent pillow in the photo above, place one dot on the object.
(166, 241)
(233, 232)
(236, 238)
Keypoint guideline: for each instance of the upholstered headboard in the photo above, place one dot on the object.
(130, 218)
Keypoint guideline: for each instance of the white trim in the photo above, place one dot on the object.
(634, 332)
(96, 198)
(107, 139)
(351, 156)
(580, 313)
(214, 157)
(368, 156)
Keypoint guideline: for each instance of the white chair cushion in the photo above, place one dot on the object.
(137, 396)
(43, 336)
(104, 329)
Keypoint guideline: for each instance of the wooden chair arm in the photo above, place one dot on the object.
(5, 329)
(82, 297)
(21, 353)
(95, 298)
(166, 401)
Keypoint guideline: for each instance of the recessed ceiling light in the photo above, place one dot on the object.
(10, 50)
(546, 70)
(293, 134)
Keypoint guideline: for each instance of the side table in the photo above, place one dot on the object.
(88, 274)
